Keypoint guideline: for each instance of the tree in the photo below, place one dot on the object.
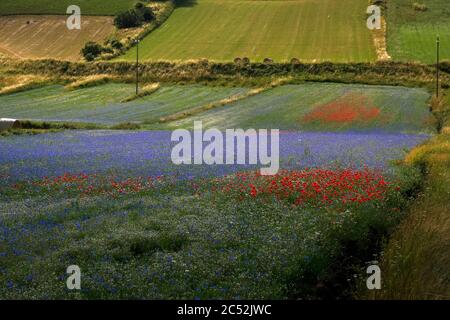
(91, 50)
(127, 19)
(134, 17)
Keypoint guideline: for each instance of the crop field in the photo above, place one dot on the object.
(412, 34)
(37, 37)
(102, 104)
(310, 30)
(316, 107)
(325, 107)
(59, 7)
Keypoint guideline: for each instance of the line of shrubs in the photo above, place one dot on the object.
(140, 16)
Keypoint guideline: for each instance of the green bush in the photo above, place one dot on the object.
(134, 17)
(91, 50)
(127, 19)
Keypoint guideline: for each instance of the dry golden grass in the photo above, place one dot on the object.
(90, 81)
(38, 37)
(17, 83)
(380, 43)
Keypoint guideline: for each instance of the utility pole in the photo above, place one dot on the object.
(437, 66)
(137, 66)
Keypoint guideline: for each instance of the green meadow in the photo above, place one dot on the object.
(91, 7)
(310, 30)
(412, 33)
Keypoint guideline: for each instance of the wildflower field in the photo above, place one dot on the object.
(250, 150)
(140, 227)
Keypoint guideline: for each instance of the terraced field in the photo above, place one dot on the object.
(90, 7)
(325, 107)
(412, 34)
(102, 104)
(48, 37)
(311, 30)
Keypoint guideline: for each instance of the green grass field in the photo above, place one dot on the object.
(325, 107)
(102, 104)
(311, 30)
(91, 7)
(412, 34)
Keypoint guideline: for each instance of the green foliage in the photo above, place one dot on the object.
(127, 19)
(134, 17)
(91, 50)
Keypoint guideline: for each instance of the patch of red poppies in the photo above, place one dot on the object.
(314, 187)
(350, 108)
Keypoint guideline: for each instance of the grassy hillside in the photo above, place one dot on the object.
(325, 107)
(222, 30)
(102, 104)
(48, 37)
(91, 7)
(412, 33)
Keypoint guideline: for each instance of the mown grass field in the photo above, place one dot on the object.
(102, 104)
(37, 37)
(324, 107)
(59, 7)
(412, 34)
(222, 30)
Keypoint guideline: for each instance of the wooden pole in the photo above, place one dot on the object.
(437, 66)
(137, 67)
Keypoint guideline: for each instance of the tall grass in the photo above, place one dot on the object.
(14, 84)
(89, 81)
